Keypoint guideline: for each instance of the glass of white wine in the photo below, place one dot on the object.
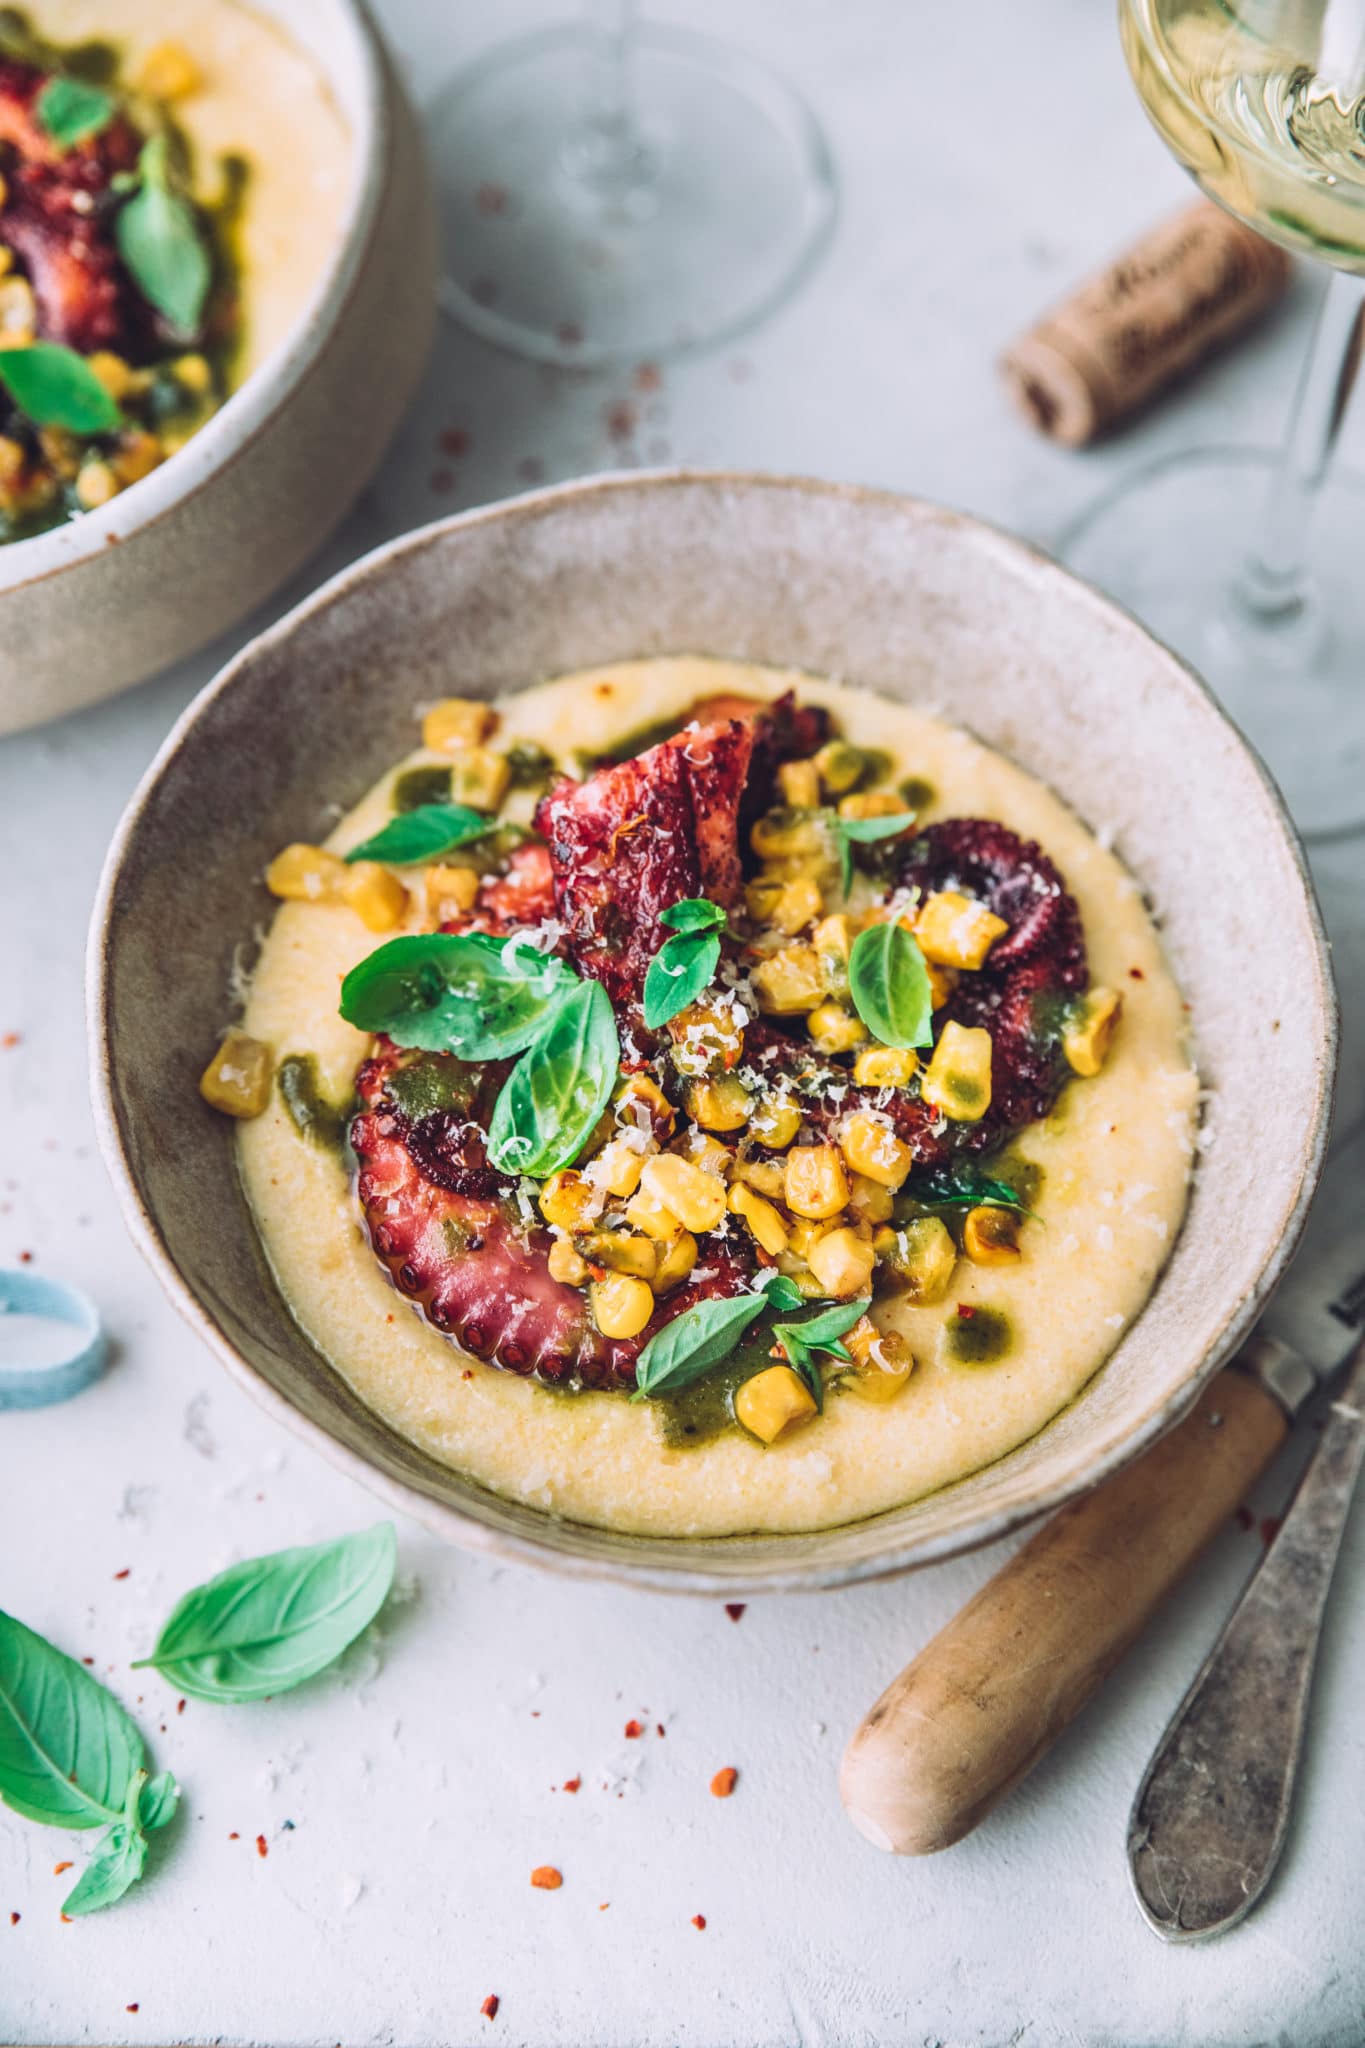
(1253, 563)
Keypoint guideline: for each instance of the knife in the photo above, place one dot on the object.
(982, 1702)
(1211, 1814)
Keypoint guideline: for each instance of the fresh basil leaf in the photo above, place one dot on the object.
(781, 1292)
(682, 969)
(962, 1186)
(558, 1089)
(865, 832)
(694, 914)
(55, 387)
(702, 1337)
(158, 1801)
(462, 992)
(889, 983)
(119, 1860)
(69, 111)
(68, 1750)
(268, 1624)
(158, 236)
(424, 834)
(803, 1341)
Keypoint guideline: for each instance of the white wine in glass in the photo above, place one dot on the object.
(1248, 562)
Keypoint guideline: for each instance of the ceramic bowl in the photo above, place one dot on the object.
(106, 600)
(887, 592)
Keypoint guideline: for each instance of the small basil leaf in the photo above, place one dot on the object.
(55, 387)
(889, 983)
(69, 111)
(158, 236)
(424, 834)
(801, 1341)
(480, 997)
(265, 1626)
(68, 1751)
(681, 970)
(781, 1292)
(559, 1088)
(119, 1860)
(157, 1801)
(962, 1186)
(866, 832)
(693, 914)
(702, 1337)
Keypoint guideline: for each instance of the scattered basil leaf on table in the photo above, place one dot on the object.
(703, 1336)
(159, 238)
(55, 387)
(865, 832)
(121, 1853)
(803, 1341)
(684, 965)
(559, 1088)
(266, 1625)
(889, 983)
(424, 834)
(480, 997)
(69, 111)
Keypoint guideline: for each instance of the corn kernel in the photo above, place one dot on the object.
(942, 982)
(237, 1078)
(877, 803)
(882, 1362)
(696, 1198)
(619, 1251)
(787, 834)
(954, 931)
(870, 1200)
(719, 1105)
(833, 941)
(765, 1176)
(885, 1066)
(18, 313)
(816, 1185)
(641, 1105)
(775, 1121)
(799, 782)
(117, 376)
(701, 1149)
(375, 894)
(479, 778)
(765, 1225)
(136, 456)
(676, 1259)
(841, 767)
(450, 890)
(96, 485)
(618, 1166)
(761, 897)
(798, 904)
(1090, 1030)
(457, 722)
(842, 1263)
(168, 72)
(621, 1305)
(835, 1029)
(565, 1265)
(568, 1201)
(193, 374)
(789, 981)
(873, 1149)
(306, 874)
(920, 1256)
(706, 1035)
(990, 1236)
(957, 1079)
(643, 1212)
(772, 1402)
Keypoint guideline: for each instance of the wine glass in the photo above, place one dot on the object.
(1251, 563)
(613, 191)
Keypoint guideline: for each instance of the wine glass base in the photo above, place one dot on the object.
(556, 248)
(1172, 546)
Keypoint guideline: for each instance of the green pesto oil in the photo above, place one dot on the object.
(312, 1115)
(418, 786)
(981, 1337)
(434, 1082)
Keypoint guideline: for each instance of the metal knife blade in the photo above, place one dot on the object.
(1318, 1311)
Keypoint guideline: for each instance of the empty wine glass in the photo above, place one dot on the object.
(616, 191)
(1249, 562)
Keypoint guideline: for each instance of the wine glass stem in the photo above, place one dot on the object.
(1274, 584)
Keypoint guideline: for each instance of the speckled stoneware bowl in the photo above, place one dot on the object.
(896, 595)
(104, 601)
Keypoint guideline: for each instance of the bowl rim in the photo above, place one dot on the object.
(253, 407)
(451, 1522)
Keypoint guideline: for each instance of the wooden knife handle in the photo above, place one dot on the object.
(982, 1702)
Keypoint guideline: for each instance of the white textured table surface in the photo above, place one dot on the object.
(988, 156)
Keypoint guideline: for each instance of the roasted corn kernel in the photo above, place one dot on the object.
(677, 1257)
(841, 767)
(565, 1265)
(815, 1185)
(842, 1262)
(876, 803)
(765, 1225)
(619, 1251)
(451, 890)
(375, 894)
(644, 1213)
(835, 1029)
(306, 874)
(707, 1036)
(798, 904)
(96, 484)
(765, 1176)
(621, 1305)
(478, 778)
(1089, 1031)
(882, 1362)
(772, 1402)
(237, 1079)
(616, 1169)
(870, 1200)
(697, 1199)
(873, 1149)
(642, 1105)
(833, 942)
(117, 376)
(18, 313)
(775, 1121)
(955, 931)
(457, 722)
(568, 1201)
(168, 72)
(786, 834)
(885, 1066)
(990, 1236)
(920, 1255)
(957, 1079)
(789, 981)
(703, 1150)
(799, 782)
(722, 1104)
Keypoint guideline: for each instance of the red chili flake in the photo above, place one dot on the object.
(131, 2008)
(648, 377)
(67, 1918)
(489, 2008)
(180, 1706)
(25, 1258)
(468, 1373)
(659, 1728)
(262, 1846)
(124, 1573)
(699, 1920)
(735, 1608)
(966, 1311)
(14, 1919)
(724, 1782)
(634, 1730)
(546, 1878)
(87, 1660)
(604, 1905)
(1270, 1528)
(620, 419)
(1245, 1518)
(10, 1040)
(234, 1836)
(1137, 974)
(491, 198)
(58, 1868)
(572, 1784)
(454, 441)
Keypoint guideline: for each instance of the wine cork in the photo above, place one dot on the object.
(1183, 291)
